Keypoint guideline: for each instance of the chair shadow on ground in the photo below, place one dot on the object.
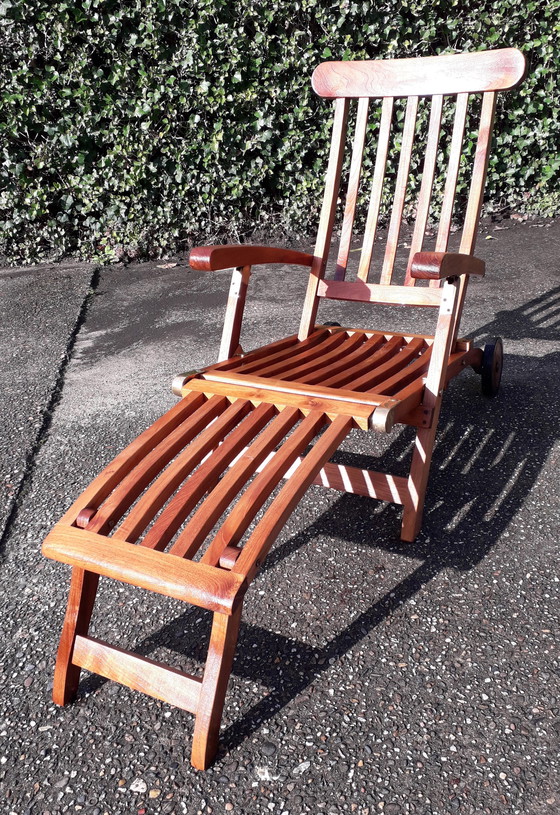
(488, 456)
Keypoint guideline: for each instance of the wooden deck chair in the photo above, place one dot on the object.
(176, 512)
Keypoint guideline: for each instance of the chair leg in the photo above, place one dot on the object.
(418, 481)
(81, 599)
(221, 650)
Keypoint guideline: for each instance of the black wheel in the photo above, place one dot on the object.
(332, 324)
(491, 369)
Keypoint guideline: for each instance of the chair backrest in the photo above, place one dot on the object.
(446, 84)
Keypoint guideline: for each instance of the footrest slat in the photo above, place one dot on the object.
(196, 583)
(139, 673)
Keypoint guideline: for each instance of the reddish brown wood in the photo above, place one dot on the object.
(423, 206)
(326, 223)
(221, 651)
(353, 187)
(424, 444)
(438, 265)
(259, 490)
(81, 599)
(266, 532)
(400, 190)
(166, 574)
(277, 414)
(299, 360)
(343, 373)
(376, 293)
(235, 308)
(143, 512)
(119, 468)
(376, 189)
(204, 519)
(452, 174)
(448, 74)
(230, 256)
(155, 460)
(138, 673)
(206, 477)
(84, 517)
(255, 360)
(398, 362)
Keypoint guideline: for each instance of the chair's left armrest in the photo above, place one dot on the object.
(230, 256)
(439, 265)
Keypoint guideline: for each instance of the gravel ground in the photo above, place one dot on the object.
(40, 312)
(371, 676)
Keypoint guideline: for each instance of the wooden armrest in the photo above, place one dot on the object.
(438, 265)
(230, 256)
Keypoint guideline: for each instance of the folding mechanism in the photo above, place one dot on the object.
(191, 508)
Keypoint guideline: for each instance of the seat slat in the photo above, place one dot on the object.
(266, 531)
(299, 359)
(375, 378)
(417, 368)
(337, 374)
(254, 360)
(308, 371)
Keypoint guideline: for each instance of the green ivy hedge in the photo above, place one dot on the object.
(134, 129)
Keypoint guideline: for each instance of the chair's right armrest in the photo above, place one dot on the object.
(439, 265)
(231, 256)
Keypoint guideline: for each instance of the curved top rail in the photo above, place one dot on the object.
(446, 74)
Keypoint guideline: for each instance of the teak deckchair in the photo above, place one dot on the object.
(252, 432)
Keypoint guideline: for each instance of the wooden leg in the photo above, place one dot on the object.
(83, 588)
(418, 481)
(221, 650)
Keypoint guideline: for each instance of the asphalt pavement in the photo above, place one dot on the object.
(371, 676)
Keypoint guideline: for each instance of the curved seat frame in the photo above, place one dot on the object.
(191, 508)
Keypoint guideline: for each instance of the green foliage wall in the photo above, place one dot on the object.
(135, 128)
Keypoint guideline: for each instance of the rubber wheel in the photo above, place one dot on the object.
(491, 371)
(332, 324)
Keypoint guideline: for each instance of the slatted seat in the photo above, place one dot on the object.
(191, 508)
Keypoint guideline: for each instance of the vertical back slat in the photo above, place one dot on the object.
(353, 187)
(425, 196)
(376, 188)
(400, 189)
(468, 238)
(328, 212)
(476, 192)
(452, 172)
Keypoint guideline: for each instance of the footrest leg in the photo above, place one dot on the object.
(221, 650)
(81, 599)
